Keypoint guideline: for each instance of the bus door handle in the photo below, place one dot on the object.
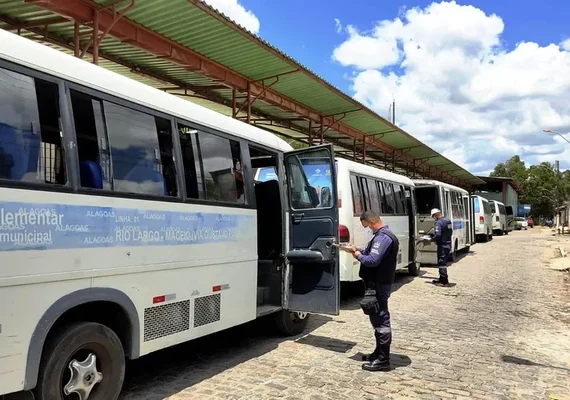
(297, 217)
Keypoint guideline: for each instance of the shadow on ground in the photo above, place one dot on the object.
(524, 361)
(396, 360)
(171, 370)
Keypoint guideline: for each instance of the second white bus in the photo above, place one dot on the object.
(362, 188)
(455, 204)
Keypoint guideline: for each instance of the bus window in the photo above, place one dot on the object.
(189, 150)
(135, 152)
(356, 196)
(221, 168)
(427, 198)
(30, 141)
(365, 194)
(399, 199)
(318, 174)
(389, 198)
(266, 174)
(166, 148)
(92, 141)
(381, 197)
(373, 194)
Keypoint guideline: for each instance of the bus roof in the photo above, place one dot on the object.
(426, 182)
(42, 58)
(375, 172)
(479, 197)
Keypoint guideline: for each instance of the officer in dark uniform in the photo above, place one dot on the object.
(442, 237)
(377, 270)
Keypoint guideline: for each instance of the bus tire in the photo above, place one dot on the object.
(79, 342)
(291, 323)
(414, 269)
(485, 238)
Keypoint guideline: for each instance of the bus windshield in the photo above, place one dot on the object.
(426, 199)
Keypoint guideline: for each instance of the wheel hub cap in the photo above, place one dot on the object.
(301, 315)
(84, 376)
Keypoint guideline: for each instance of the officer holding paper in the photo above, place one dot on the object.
(377, 269)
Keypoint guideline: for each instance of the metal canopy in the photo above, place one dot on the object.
(187, 48)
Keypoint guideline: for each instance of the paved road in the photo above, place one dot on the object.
(503, 332)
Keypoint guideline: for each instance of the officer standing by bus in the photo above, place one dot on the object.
(378, 269)
(442, 237)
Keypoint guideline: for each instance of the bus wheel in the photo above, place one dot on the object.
(414, 269)
(291, 323)
(84, 361)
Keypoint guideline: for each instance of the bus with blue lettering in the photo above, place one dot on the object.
(455, 205)
(130, 221)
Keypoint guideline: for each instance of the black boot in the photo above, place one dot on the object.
(377, 365)
(436, 280)
(442, 282)
(370, 357)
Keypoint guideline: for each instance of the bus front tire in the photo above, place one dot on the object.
(93, 352)
(291, 323)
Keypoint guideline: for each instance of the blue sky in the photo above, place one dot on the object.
(305, 29)
(461, 80)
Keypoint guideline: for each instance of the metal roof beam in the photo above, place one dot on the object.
(139, 36)
(40, 23)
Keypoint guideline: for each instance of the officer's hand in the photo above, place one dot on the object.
(356, 254)
(353, 248)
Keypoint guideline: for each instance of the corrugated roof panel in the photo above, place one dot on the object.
(195, 26)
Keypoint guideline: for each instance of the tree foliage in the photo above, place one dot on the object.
(542, 186)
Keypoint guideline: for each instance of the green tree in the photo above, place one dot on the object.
(514, 168)
(542, 186)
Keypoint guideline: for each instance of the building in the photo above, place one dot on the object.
(504, 190)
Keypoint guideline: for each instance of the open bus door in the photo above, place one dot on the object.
(312, 278)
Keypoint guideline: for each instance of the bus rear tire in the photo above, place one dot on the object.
(291, 323)
(414, 269)
(98, 354)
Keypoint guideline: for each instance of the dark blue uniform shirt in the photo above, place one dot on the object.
(381, 245)
(443, 230)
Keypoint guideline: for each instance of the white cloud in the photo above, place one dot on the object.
(459, 89)
(236, 12)
(337, 25)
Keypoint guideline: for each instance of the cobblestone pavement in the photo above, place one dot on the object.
(503, 332)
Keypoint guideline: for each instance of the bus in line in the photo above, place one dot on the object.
(455, 204)
(362, 188)
(483, 218)
(130, 221)
(499, 213)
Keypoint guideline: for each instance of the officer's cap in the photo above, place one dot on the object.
(435, 211)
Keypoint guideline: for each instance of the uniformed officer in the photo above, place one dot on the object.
(442, 237)
(378, 270)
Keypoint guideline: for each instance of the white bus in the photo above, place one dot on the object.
(130, 222)
(362, 188)
(455, 205)
(483, 218)
(499, 213)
